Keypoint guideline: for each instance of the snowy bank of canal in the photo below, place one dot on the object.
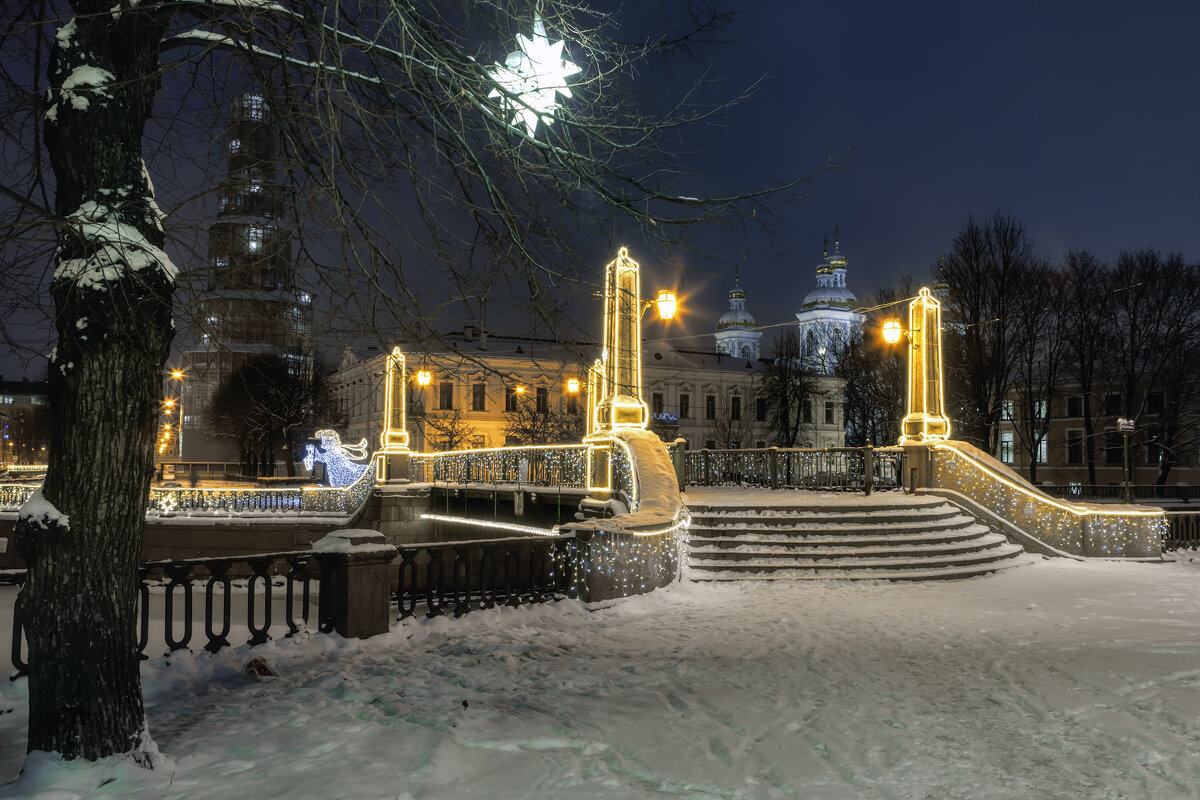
(1057, 680)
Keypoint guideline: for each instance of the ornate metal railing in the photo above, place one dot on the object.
(276, 589)
(1183, 531)
(461, 577)
(833, 469)
(555, 465)
(1115, 492)
(14, 495)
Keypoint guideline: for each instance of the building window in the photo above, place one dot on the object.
(1006, 410)
(1006, 447)
(735, 408)
(235, 146)
(478, 442)
(543, 400)
(1075, 406)
(1040, 409)
(1114, 449)
(254, 106)
(254, 239)
(572, 404)
(710, 406)
(1112, 404)
(828, 412)
(445, 396)
(1042, 451)
(1075, 446)
(806, 411)
(709, 444)
(760, 410)
(7, 399)
(479, 397)
(1154, 403)
(685, 406)
(656, 403)
(510, 399)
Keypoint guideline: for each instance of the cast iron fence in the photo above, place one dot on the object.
(1114, 492)
(461, 577)
(832, 469)
(1183, 530)
(277, 590)
(557, 465)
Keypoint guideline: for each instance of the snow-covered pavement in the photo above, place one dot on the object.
(1056, 680)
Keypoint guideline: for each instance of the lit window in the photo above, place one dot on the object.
(1006, 410)
(256, 185)
(1006, 447)
(1041, 452)
(235, 146)
(254, 106)
(1040, 408)
(254, 239)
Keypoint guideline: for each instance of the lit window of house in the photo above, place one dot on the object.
(1006, 447)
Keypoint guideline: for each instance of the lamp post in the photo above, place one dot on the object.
(1125, 426)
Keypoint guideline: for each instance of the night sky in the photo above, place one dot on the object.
(1078, 118)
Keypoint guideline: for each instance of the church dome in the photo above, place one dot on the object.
(832, 296)
(737, 316)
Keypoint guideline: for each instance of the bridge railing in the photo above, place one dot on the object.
(1115, 492)
(549, 465)
(212, 603)
(1183, 531)
(832, 469)
(167, 502)
(460, 577)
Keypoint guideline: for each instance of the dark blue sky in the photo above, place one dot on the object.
(1078, 118)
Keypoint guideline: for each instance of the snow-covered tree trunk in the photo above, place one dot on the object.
(112, 290)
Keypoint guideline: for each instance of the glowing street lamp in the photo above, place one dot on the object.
(573, 385)
(666, 303)
(892, 331)
(424, 377)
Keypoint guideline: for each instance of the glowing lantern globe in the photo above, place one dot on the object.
(891, 331)
(531, 78)
(666, 304)
(424, 377)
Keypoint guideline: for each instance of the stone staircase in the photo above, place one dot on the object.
(882, 537)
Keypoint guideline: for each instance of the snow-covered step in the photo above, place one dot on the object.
(898, 538)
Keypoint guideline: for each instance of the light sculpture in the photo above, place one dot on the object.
(531, 78)
(338, 458)
(393, 440)
(615, 383)
(926, 419)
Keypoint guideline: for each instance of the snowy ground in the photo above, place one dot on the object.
(1054, 680)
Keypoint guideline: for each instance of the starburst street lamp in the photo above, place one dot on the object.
(531, 78)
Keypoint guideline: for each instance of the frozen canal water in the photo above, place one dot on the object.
(1054, 680)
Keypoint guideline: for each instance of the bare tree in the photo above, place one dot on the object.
(1041, 343)
(448, 430)
(875, 374)
(525, 424)
(1086, 317)
(789, 386)
(406, 95)
(986, 283)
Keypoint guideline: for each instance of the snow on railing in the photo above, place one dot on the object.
(217, 502)
(546, 465)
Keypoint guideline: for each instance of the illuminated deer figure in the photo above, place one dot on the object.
(338, 458)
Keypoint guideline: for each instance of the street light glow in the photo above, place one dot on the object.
(891, 331)
(666, 304)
